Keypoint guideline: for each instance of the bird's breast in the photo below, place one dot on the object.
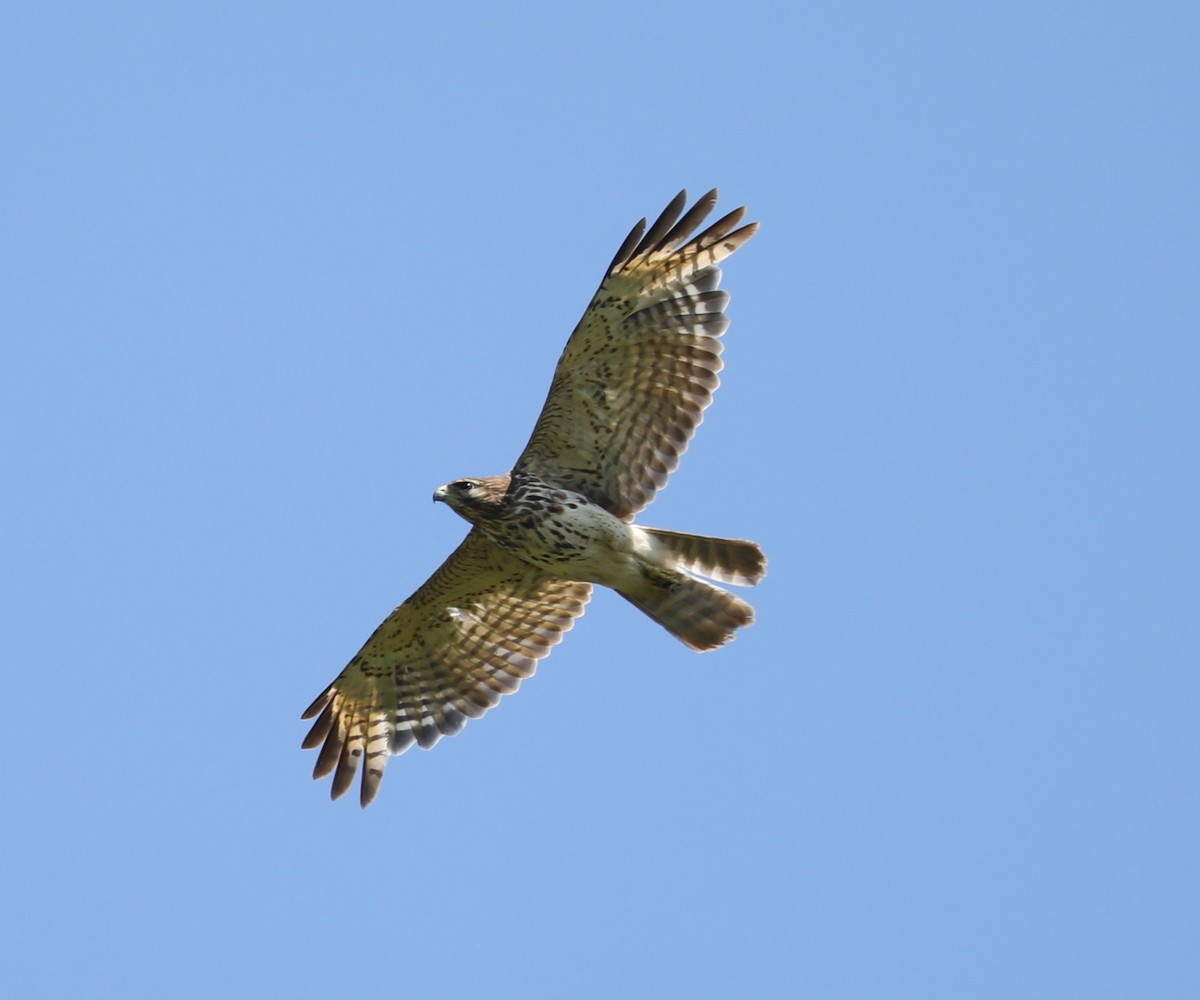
(565, 534)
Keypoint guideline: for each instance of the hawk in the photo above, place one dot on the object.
(628, 393)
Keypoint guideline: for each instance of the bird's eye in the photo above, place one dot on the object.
(464, 485)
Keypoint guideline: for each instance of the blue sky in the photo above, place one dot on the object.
(273, 272)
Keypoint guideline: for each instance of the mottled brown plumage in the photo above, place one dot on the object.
(627, 395)
(641, 366)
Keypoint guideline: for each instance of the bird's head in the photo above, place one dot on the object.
(474, 499)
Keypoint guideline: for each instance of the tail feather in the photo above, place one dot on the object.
(699, 614)
(729, 560)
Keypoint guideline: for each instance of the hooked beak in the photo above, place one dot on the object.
(439, 494)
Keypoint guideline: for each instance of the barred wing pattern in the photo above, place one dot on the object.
(468, 636)
(641, 367)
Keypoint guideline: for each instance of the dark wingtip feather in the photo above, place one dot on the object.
(321, 701)
(347, 766)
(721, 228)
(316, 735)
(328, 757)
(631, 241)
(690, 221)
(662, 225)
(674, 226)
(371, 779)
(750, 228)
(739, 237)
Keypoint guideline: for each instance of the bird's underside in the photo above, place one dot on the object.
(627, 395)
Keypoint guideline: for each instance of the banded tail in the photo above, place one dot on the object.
(702, 616)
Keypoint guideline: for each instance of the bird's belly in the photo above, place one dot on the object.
(576, 542)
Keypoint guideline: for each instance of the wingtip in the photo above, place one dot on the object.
(663, 226)
(369, 788)
(627, 247)
(318, 703)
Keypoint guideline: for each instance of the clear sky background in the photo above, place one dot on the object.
(272, 272)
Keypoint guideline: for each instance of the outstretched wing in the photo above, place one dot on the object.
(640, 368)
(469, 635)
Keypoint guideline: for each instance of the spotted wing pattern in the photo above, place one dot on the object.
(640, 368)
(468, 636)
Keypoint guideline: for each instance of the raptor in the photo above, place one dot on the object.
(628, 394)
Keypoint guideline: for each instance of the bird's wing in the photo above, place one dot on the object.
(641, 366)
(469, 635)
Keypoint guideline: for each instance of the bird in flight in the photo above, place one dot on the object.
(628, 393)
